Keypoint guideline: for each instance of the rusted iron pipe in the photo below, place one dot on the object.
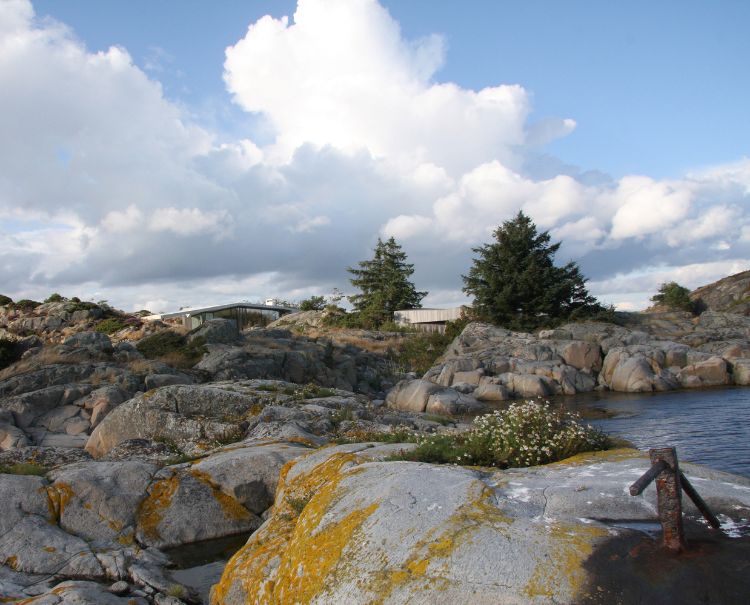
(637, 488)
(669, 499)
(699, 502)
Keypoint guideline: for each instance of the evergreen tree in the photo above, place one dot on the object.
(516, 284)
(384, 284)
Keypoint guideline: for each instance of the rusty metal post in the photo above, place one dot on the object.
(669, 498)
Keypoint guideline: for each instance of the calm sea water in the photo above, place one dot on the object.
(707, 426)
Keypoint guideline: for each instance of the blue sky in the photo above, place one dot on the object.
(160, 154)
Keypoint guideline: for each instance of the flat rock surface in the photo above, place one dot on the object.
(352, 529)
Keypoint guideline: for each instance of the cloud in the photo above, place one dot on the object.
(110, 190)
(341, 74)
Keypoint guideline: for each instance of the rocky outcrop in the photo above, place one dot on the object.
(655, 352)
(731, 294)
(363, 530)
(103, 520)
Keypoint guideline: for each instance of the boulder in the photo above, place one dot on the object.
(449, 402)
(411, 395)
(83, 593)
(11, 437)
(90, 342)
(491, 392)
(711, 372)
(182, 413)
(216, 331)
(155, 381)
(33, 545)
(250, 474)
(184, 506)
(99, 500)
(741, 371)
(350, 528)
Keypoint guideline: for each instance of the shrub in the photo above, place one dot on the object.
(674, 296)
(5, 300)
(314, 303)
(525, 434)
(54, 297)
(23, 468)
(75, 304)
(111, 325)
(27, 304)
(172, 348)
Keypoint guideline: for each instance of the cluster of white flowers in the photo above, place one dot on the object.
(524, 434)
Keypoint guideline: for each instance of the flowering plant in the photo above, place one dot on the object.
(524, 434)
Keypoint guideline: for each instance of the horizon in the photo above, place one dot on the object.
(160, 155)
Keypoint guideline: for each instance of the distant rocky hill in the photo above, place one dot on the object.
(730, 294)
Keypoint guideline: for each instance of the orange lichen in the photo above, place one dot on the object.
(262, 570)
(58, 496)
(151, 510)
(570, 545)
(232, 509)
(12, 562)
(615, 455)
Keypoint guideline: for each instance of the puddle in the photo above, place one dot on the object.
(200, 565)
(650, 528)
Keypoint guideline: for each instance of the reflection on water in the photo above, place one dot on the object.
(707, 426)
(200, 565)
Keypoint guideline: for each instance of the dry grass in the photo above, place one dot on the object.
(140, 366)
(43, 358)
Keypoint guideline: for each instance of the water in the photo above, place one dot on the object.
(707, 426)
(200, 565)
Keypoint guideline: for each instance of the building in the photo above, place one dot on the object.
(244, 314)
(429, 320)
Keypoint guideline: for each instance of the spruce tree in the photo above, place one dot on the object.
(384, 285)
(516, 284)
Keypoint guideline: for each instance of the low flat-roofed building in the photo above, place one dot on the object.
(429, 320)
(243, 314)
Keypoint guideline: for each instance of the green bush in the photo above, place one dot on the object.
(54, 297)
(23, 468)
(5, 300)
(172, 348)
(9, 352)
(111, 325)
(674, 296)
(314, 303)
(525, 434)
(27, 304)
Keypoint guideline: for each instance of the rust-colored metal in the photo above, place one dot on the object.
(669, 499)
(637, 488)
(699, 502)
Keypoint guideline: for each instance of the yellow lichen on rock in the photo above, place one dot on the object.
(615, 455)
(571, 546)
(58, 496)
(267, 569)
(151, 510)
(231, 508)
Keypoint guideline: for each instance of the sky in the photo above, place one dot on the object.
(184, 153)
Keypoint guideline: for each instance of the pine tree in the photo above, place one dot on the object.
(384, 284)
(516, 284)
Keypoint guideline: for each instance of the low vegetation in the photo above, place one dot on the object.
(524, 434)
(676, 297)
(111, 325)
(23, 468)
(172, 348)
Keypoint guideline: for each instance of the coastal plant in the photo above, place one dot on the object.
(23, 468)
(673, 295)
(172, 348)
(5, 300)
(53, 298)
(524, 434)
(111, 325)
